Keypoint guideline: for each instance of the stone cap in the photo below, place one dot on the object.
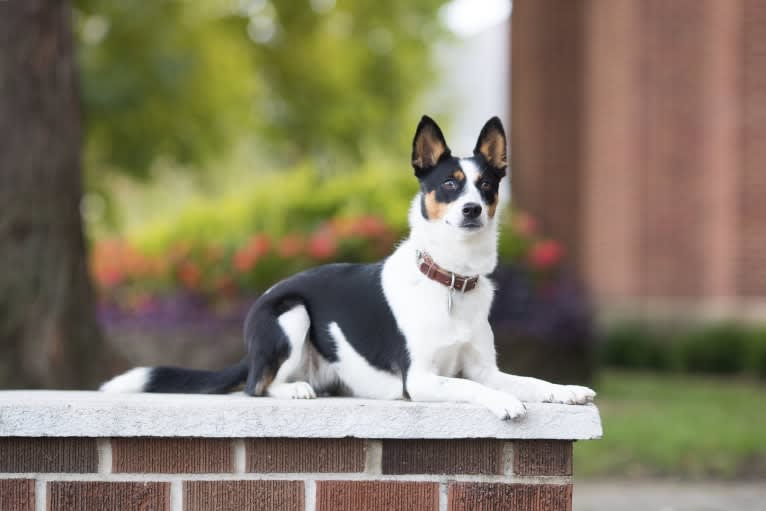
(97, 414)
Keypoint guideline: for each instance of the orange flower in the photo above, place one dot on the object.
(290, 246)
(545, 254)
(259, 245)
(244, 259)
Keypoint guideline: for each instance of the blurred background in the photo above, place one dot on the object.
(162, 163)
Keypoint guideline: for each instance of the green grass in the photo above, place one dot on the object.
(676, 426)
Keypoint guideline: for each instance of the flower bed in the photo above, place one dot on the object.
(185, 292)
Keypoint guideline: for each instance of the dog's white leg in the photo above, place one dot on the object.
(423, 386)
(295, 324)
(479, 365)
(532, 390)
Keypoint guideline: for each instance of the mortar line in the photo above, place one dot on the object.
(443, 496)
(508, 459)
(176, 495)
(373, 457)
(240, 456)
(310, 498)
(104, 447)
(41, 495)
(305, 476)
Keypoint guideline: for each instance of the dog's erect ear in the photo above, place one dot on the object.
(491, 145)
(428, 146)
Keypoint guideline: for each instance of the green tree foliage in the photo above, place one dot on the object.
(185, 80)
(161, 79)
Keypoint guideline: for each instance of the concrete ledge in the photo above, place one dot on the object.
(96, 414)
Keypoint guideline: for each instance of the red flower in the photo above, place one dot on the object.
(322, 245)
(190, 274)
(107, 276)
(545, 254)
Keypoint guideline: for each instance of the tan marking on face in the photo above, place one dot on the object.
(458, 174)
(434, 209)
(492, 208)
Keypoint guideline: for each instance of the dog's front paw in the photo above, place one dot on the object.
(507, 408)
(567, 394)
(295, 390)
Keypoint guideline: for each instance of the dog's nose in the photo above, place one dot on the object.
(471, 210)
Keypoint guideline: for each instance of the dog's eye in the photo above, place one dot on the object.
(485, 186)
(450, 185)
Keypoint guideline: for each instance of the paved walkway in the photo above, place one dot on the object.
(669, 496)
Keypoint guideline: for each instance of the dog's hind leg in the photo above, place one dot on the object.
(289, 381)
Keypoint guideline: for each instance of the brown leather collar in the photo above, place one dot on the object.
(435, 272)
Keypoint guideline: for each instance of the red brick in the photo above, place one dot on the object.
(642, 125)
(305, 455)
(243, 496)
(20, 455)
(503, 497)
(172, 455)
(17, 494)
(474, 456)
(542, 458)
(98, 496)
(377, 496)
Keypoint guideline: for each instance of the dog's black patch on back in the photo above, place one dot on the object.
(350, 295)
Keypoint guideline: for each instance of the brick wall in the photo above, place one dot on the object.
(272, 474)
(638, 136)
(72, 451)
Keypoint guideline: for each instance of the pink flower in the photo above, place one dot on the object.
(546, 254)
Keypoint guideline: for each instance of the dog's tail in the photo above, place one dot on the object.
(177, 380)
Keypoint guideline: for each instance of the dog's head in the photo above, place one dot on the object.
(459, 193)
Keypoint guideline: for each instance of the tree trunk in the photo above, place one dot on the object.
(49, 336)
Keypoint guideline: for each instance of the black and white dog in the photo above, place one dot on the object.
(411, 326)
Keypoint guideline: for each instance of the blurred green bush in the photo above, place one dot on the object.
(718, 348)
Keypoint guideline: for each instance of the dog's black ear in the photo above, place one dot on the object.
(428, 146)
(491, 145)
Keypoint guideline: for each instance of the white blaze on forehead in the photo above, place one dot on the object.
(471, 171)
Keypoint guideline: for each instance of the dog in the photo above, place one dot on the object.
(413, 326)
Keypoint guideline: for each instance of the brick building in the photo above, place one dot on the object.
(639, 140)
